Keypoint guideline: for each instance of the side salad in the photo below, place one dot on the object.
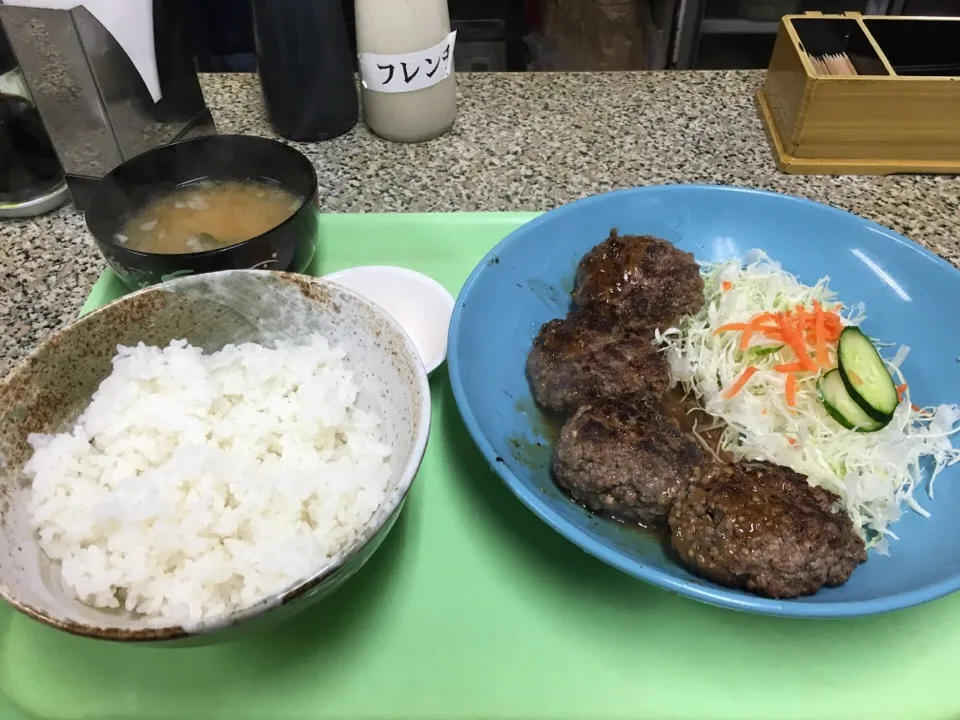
(792, 379)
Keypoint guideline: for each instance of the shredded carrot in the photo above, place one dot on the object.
(856, 379)
(765, 325)
(832, 320)
(820, 335)
(771, 334)
(726, 285)
(763, 318)
(790, 367)
(797, 343)
(792, 441)
(792, 390)
(740, 383)
(809, 333)
(800, 318)
(731, 327)
(833, 326)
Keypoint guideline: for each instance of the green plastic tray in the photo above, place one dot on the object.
(475, 609)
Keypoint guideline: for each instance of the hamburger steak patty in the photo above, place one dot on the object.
(625, 458)
(645, 281)
(584, 356)
(763, 527)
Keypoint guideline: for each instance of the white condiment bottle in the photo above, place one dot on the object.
(394, 28)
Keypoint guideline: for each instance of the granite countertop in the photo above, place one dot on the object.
(521, 142)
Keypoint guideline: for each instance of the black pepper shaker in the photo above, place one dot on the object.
(305, 68)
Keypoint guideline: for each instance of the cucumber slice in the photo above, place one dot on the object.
(865, 375)
(832, 392)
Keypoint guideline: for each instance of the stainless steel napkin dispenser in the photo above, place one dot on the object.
(95, 105)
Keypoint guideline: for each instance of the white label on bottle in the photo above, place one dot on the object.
(408, 71)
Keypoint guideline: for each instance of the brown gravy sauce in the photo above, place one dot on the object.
(684, 410)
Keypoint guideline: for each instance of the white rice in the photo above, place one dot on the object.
(195, 485)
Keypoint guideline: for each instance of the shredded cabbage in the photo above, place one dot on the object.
(875, 474)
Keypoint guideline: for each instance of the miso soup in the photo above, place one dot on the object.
(207, 216)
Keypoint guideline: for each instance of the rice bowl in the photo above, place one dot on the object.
(195, 484)
(379, 420)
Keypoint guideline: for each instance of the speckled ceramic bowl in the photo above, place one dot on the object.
(51, 386)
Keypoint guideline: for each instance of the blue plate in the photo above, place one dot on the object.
(911, 297)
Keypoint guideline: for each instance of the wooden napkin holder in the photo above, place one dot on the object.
(899, 114)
